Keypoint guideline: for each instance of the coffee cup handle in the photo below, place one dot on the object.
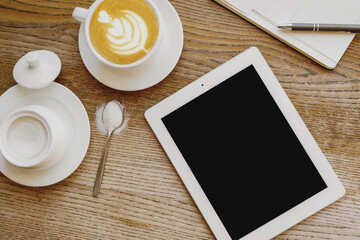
(80, 14)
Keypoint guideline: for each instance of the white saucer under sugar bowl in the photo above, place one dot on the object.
(44, 127)
(32, 136)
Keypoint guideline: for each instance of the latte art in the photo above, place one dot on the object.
(123, 31)
(127, 34)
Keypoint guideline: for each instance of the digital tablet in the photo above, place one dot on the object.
(243, 152)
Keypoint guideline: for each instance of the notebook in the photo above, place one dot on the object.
(325, 48)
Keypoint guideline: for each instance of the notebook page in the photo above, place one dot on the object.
(343, 11)
(330, 44)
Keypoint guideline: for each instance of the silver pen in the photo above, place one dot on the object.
(353, 28)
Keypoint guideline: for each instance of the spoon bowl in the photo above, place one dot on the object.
(113, 118)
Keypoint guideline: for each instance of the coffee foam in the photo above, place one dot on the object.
(127, 34)
(123, 31)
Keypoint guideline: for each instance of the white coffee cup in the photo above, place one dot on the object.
(32, 137)
(84, 16)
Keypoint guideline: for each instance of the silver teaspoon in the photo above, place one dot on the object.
(113, 118)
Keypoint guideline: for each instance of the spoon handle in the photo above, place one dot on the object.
(100, 172)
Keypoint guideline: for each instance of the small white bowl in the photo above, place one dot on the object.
(32, 137)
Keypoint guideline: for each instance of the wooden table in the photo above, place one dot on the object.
(142, 197)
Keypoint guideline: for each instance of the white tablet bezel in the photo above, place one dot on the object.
(252, 56)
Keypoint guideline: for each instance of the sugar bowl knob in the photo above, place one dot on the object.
(32, 58)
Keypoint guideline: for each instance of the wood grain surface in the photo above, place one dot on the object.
(142, 196)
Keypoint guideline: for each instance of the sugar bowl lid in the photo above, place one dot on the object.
(37, 69)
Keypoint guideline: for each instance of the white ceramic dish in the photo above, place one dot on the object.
(42, 144)
(161, 63)
(74, 116)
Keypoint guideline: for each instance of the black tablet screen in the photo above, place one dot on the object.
(243, 153)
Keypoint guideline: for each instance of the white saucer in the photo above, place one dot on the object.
(74, 116)
(149, 73)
